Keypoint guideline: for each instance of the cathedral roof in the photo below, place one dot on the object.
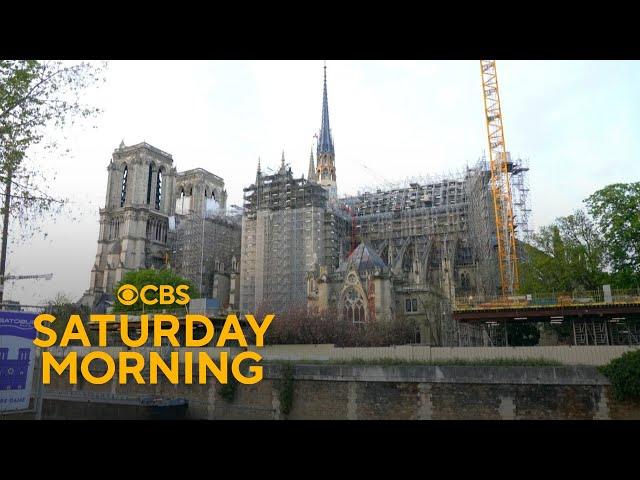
(365, 259)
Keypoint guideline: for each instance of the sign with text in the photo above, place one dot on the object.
(17, 359)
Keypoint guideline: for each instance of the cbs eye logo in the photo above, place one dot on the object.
(166, 294)
(127, 294)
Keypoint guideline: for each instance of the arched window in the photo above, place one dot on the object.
(159, 189)
(407, 259)
(149, 183)
(180, 201)
(353, 306)
(123, 189)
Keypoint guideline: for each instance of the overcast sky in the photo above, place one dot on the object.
(576, 122)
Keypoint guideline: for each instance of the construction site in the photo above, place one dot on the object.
(425, 240)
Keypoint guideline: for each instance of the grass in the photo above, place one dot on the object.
(389, 362)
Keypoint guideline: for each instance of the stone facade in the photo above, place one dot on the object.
(134, 224)
(155, 217)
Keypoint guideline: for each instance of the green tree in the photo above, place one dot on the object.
(34, 96)
(565, 256)
(140, 278)
(616, 209)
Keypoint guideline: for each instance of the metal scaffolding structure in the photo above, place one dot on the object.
(205, 245)
(521, 206)
(438, 236)
(289, 228)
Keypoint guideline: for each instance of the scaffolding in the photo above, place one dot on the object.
(437, 234)
(205, 245)
(288, 230)
(521, 206)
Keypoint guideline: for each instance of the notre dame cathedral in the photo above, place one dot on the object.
(385, 254)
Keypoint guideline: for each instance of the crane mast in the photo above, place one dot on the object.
(500, 182)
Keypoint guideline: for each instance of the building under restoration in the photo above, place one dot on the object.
(289, 228)
(156, 217)
(394, 253)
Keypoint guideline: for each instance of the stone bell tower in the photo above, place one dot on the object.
(135, 222)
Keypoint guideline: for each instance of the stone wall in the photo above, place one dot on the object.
(392, 392)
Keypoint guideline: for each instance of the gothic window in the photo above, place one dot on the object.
(159, 189)
(407, 259)
(464, 256)
(180, 202)
(123, 189)
(149, 183)
(354, 306)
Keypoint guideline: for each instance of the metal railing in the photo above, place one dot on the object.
(103, 397)
(555, 299)
(17, 307)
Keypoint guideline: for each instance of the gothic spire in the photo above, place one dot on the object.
(312, 168)
(282, 167)
(259, 166)
(325, 142)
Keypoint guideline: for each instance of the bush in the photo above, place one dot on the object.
(624, 375)
(299, 327)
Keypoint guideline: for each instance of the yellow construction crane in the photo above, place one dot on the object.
(500, 183)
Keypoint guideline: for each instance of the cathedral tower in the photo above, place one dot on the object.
(134, 224)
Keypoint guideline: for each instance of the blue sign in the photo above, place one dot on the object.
(17, 358)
